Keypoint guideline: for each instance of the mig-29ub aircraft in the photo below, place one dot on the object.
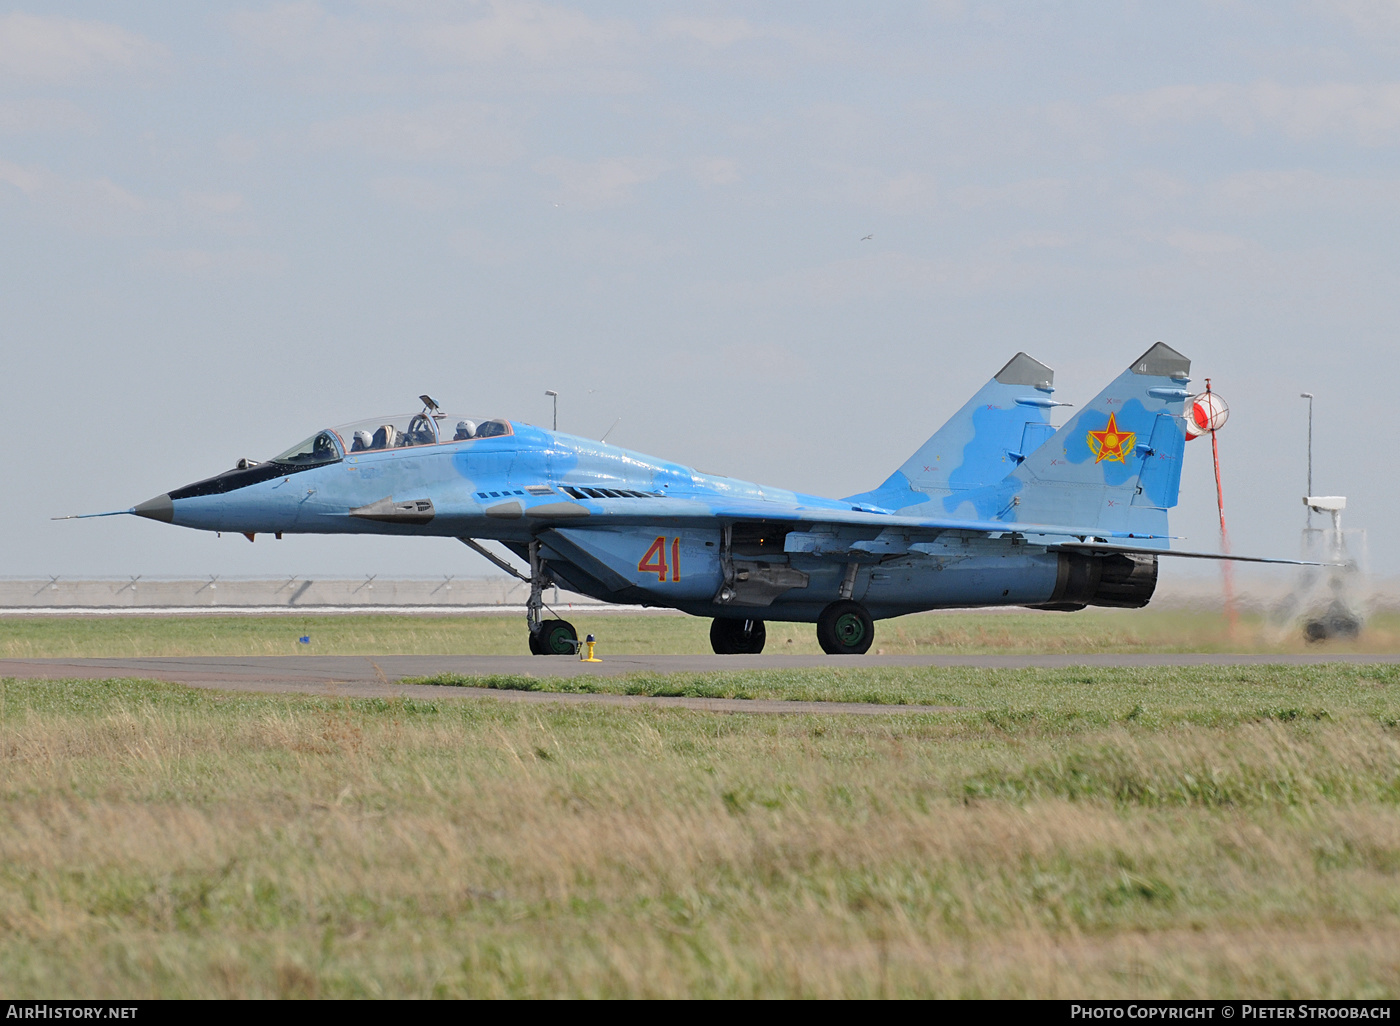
(998, 508)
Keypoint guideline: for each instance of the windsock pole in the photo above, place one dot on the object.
(1227, 568)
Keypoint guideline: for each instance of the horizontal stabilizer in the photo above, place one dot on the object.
(1097, 549)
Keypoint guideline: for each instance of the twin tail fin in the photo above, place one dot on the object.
(1116, 465)
(1006, 420)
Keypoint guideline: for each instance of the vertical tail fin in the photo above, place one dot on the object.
(1002, 424)
(1116, 466)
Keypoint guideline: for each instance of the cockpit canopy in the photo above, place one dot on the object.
(319, 448)
(390, 432)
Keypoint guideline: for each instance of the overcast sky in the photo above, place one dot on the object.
(225, 226)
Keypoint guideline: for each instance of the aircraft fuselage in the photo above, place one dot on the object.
(998, 508)
(624, 527)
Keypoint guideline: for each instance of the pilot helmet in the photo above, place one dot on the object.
(362, 439)
(465, 429)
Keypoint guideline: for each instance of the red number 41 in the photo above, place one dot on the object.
(654, 562)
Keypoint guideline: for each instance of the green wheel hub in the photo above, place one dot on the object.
(558, 641)
(850, 629)
(555, 637)
(845, 628)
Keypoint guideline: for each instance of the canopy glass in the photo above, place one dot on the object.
(396, 431)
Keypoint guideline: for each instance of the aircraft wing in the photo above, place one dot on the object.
(689, 513)
(800, 514)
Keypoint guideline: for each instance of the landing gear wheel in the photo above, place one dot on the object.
(555, 637)
(737, 637)
(845, 628)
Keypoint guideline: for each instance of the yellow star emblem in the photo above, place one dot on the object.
(1110, 443)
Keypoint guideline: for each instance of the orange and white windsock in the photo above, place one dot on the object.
(1207, 412)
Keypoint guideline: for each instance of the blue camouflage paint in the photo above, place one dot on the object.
(996, 433)
(1161, 475)
(977, 447)
(896, 493)
(990, 502)
(969, 519)
(1132, 416)
(1062, 478)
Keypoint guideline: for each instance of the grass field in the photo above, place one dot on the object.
(1065, 834)
(1145, 630)
(1200, 694)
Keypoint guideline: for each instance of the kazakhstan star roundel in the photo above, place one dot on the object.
(1110, 443)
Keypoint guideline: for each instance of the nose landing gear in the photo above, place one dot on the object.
(554, 637)
(547, 637)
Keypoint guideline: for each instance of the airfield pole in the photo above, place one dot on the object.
(1309, 397)
(1227, 568)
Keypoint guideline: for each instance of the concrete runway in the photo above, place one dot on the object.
(366, 677)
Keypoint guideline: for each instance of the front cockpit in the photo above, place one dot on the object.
(324, 447)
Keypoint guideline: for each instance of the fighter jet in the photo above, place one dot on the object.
(998, 508)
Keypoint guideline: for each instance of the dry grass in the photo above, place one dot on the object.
(1071, 695)
(160, 842)
(1146, 630)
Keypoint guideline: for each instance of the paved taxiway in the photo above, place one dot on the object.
(366, 677)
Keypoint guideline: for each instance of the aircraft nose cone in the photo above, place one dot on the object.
(160, 508)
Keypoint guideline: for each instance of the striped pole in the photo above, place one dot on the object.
(1227, 568)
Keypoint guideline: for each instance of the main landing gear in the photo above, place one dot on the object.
(737, 637)
(845, 628)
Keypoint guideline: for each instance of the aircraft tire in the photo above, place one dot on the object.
(845, 628)
(728, 637)
(535, 638)
(556, 637)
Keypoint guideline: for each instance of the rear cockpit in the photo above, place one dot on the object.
(400, 431)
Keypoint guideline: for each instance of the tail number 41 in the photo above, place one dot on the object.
(654, 562)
